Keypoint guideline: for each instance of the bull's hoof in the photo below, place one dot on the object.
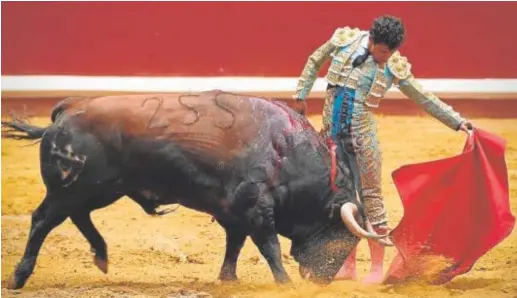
(228, 278)
(283, 280)
(15, 283)
(101, 263)
(229, 281)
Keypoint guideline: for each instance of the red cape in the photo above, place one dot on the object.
(455, 210)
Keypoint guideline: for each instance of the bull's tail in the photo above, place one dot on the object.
(19, 129)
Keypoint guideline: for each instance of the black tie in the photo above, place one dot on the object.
(360, 59)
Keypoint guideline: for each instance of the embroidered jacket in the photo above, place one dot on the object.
(370, 80)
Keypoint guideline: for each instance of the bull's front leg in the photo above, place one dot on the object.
(264, 235)
(269, 247)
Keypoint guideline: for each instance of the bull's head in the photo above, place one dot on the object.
(321, 256)
(326, 242)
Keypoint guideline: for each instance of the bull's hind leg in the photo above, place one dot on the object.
(84, 223)
(81, 218)
(46, 217)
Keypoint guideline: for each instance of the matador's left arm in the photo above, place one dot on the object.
(409, 86)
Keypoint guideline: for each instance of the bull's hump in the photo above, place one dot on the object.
(219, 124)
(209, 120)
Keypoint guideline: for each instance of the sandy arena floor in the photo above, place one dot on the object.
(179, 255)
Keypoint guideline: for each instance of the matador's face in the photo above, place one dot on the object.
(380, 52)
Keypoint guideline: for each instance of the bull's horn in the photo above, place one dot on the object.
(348, 212)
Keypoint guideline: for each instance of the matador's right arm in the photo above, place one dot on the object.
(318, 58)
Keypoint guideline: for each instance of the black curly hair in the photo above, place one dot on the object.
(388, 30)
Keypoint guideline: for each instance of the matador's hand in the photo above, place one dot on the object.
(299, 106)
(466, 126)
(382, 229)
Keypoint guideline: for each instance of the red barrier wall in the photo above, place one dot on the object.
(445, 39)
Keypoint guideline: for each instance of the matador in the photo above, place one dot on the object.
(364, 66)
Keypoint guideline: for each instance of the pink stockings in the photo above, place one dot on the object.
(349, 271)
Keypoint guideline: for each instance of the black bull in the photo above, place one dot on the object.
(255, 165)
